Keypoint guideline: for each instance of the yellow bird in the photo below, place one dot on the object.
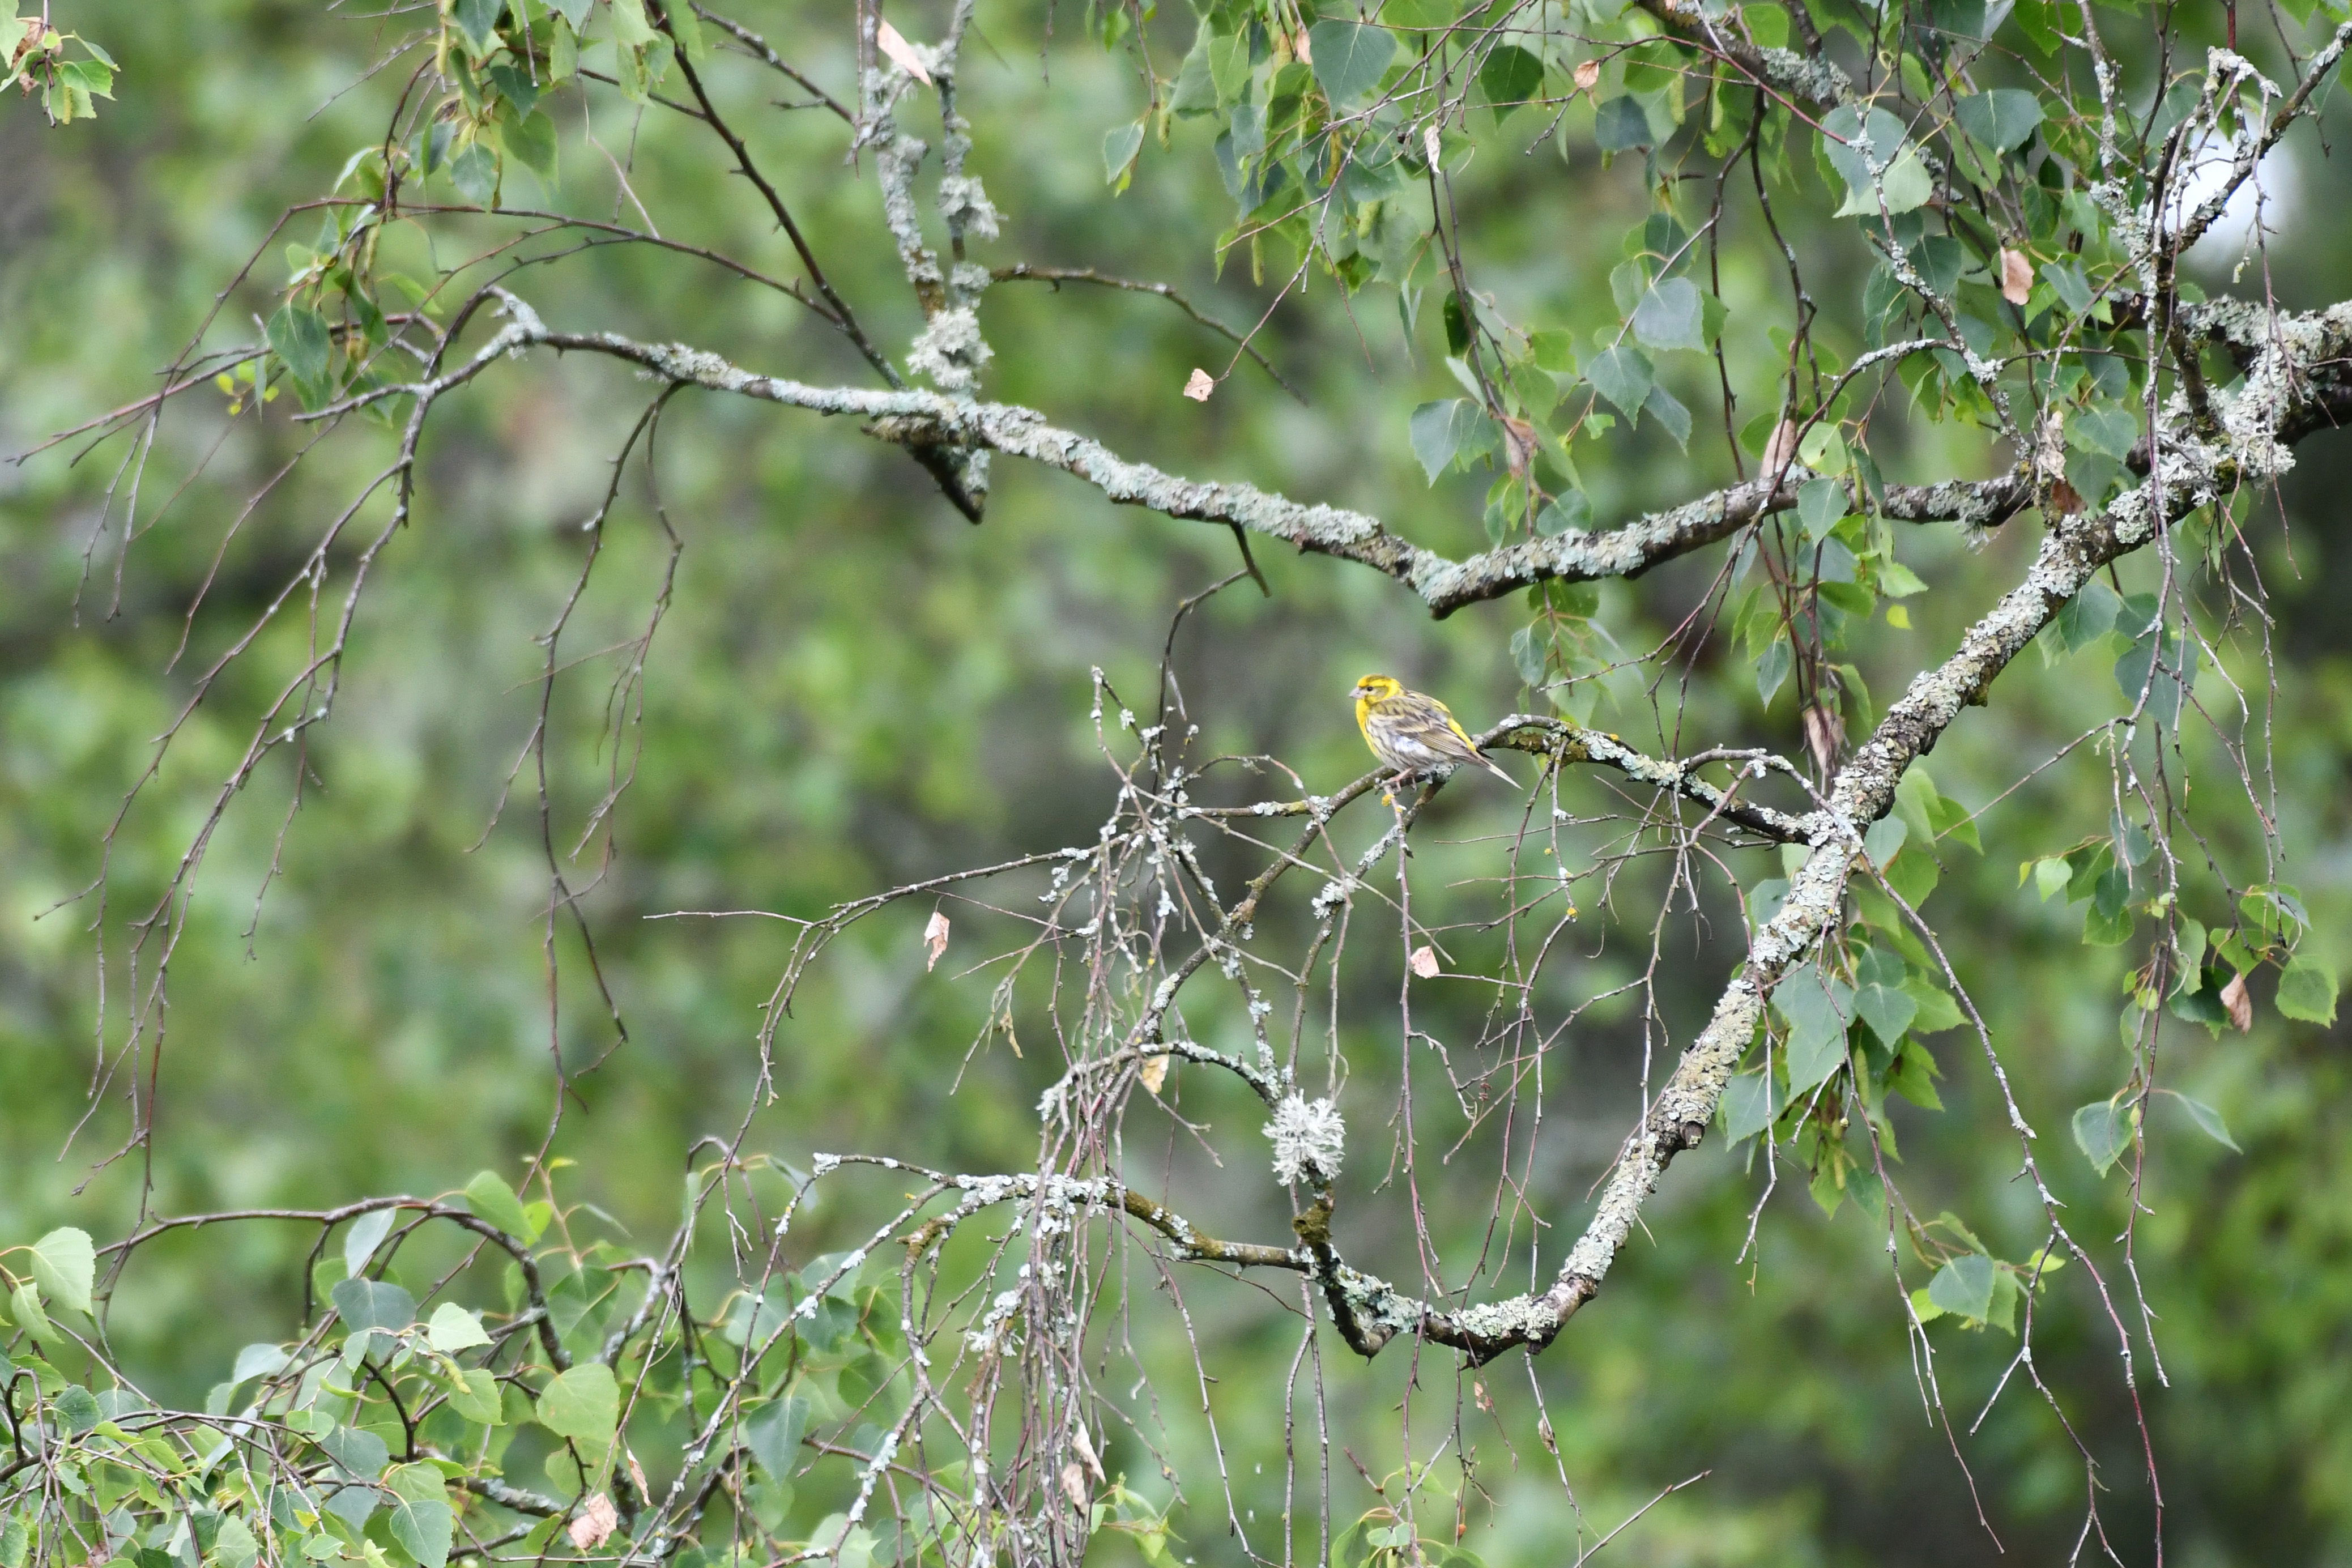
(1413, 731)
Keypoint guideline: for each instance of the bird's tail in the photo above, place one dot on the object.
(1489, 764)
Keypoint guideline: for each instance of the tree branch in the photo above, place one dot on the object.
(928, 422)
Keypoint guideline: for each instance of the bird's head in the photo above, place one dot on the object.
(1377, 688)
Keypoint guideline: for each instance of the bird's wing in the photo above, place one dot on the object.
(1470, 751)
(1456, 730)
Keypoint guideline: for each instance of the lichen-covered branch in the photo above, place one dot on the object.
(928, 422)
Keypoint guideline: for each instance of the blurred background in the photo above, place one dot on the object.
(853, 688)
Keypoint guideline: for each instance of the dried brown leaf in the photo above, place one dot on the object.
(1153, 1073)
(2016, 277)
(1201, 385)
(1782, 449)
(1518, 445)
(1825, 737)
(2064, 498)
(2241, 1005)
(1424, 961)
(595, 1524)
(935, 940)
(1587, 75)
(1085, 1447)
(1073, 1483)
(1430, 143)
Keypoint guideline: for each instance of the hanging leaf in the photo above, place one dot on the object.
(373, 1304)
(421, 1519)
(1818, 1008)
(1624, 375)
(478, 21)
(2002, 118)
(2103, 1131)
(584, 1404)
(299, 336)
(1349, 57)
(491, 1199)
(1964, 1287)
(366, 1234)
(1442, 431)
(1670, 316)
(1902, 178)
(2208, 1122)
(1120, 145)
(595, 1524)
(65, 1265)
(454, 1328)
(2306, 990)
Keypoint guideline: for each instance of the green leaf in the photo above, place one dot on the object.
(1349, 57)
(1964, 1287)
(362, 1453)
(89, 76)
(1914, 1076)
(299, 336)
(1554, 351)
(1619, 126)
(1671, 316)
(65, 1266)
(1748, 1107)
(373, 1304)
(2103, 1131)
(1818, 1008)
(584, 1404)
(2307, 991)
(1624, 375)
(1446, 430)
(234, 1545)
(1903, 176)
(2110, 432)
(1510, 77)
(1419, 15)
(1888, 1011)
(1773, 669)
(531, 138)
(1821, 506)
(1565, 512)
(78, 1409)
(773, 1434)
(421, 1520)
(474, 1394)
(1668, 410)
(25, 1308)
(572, 11)
(2208, 1122)
(2002, 118)
(1120, 144)
(2073, 291)
(630, 28)
(491, 1199)
(366, 1234)
(262, 1360)
(474, 173)
(454, 1328)
(478, 20)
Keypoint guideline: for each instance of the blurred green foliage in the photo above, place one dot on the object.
(854, 688)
